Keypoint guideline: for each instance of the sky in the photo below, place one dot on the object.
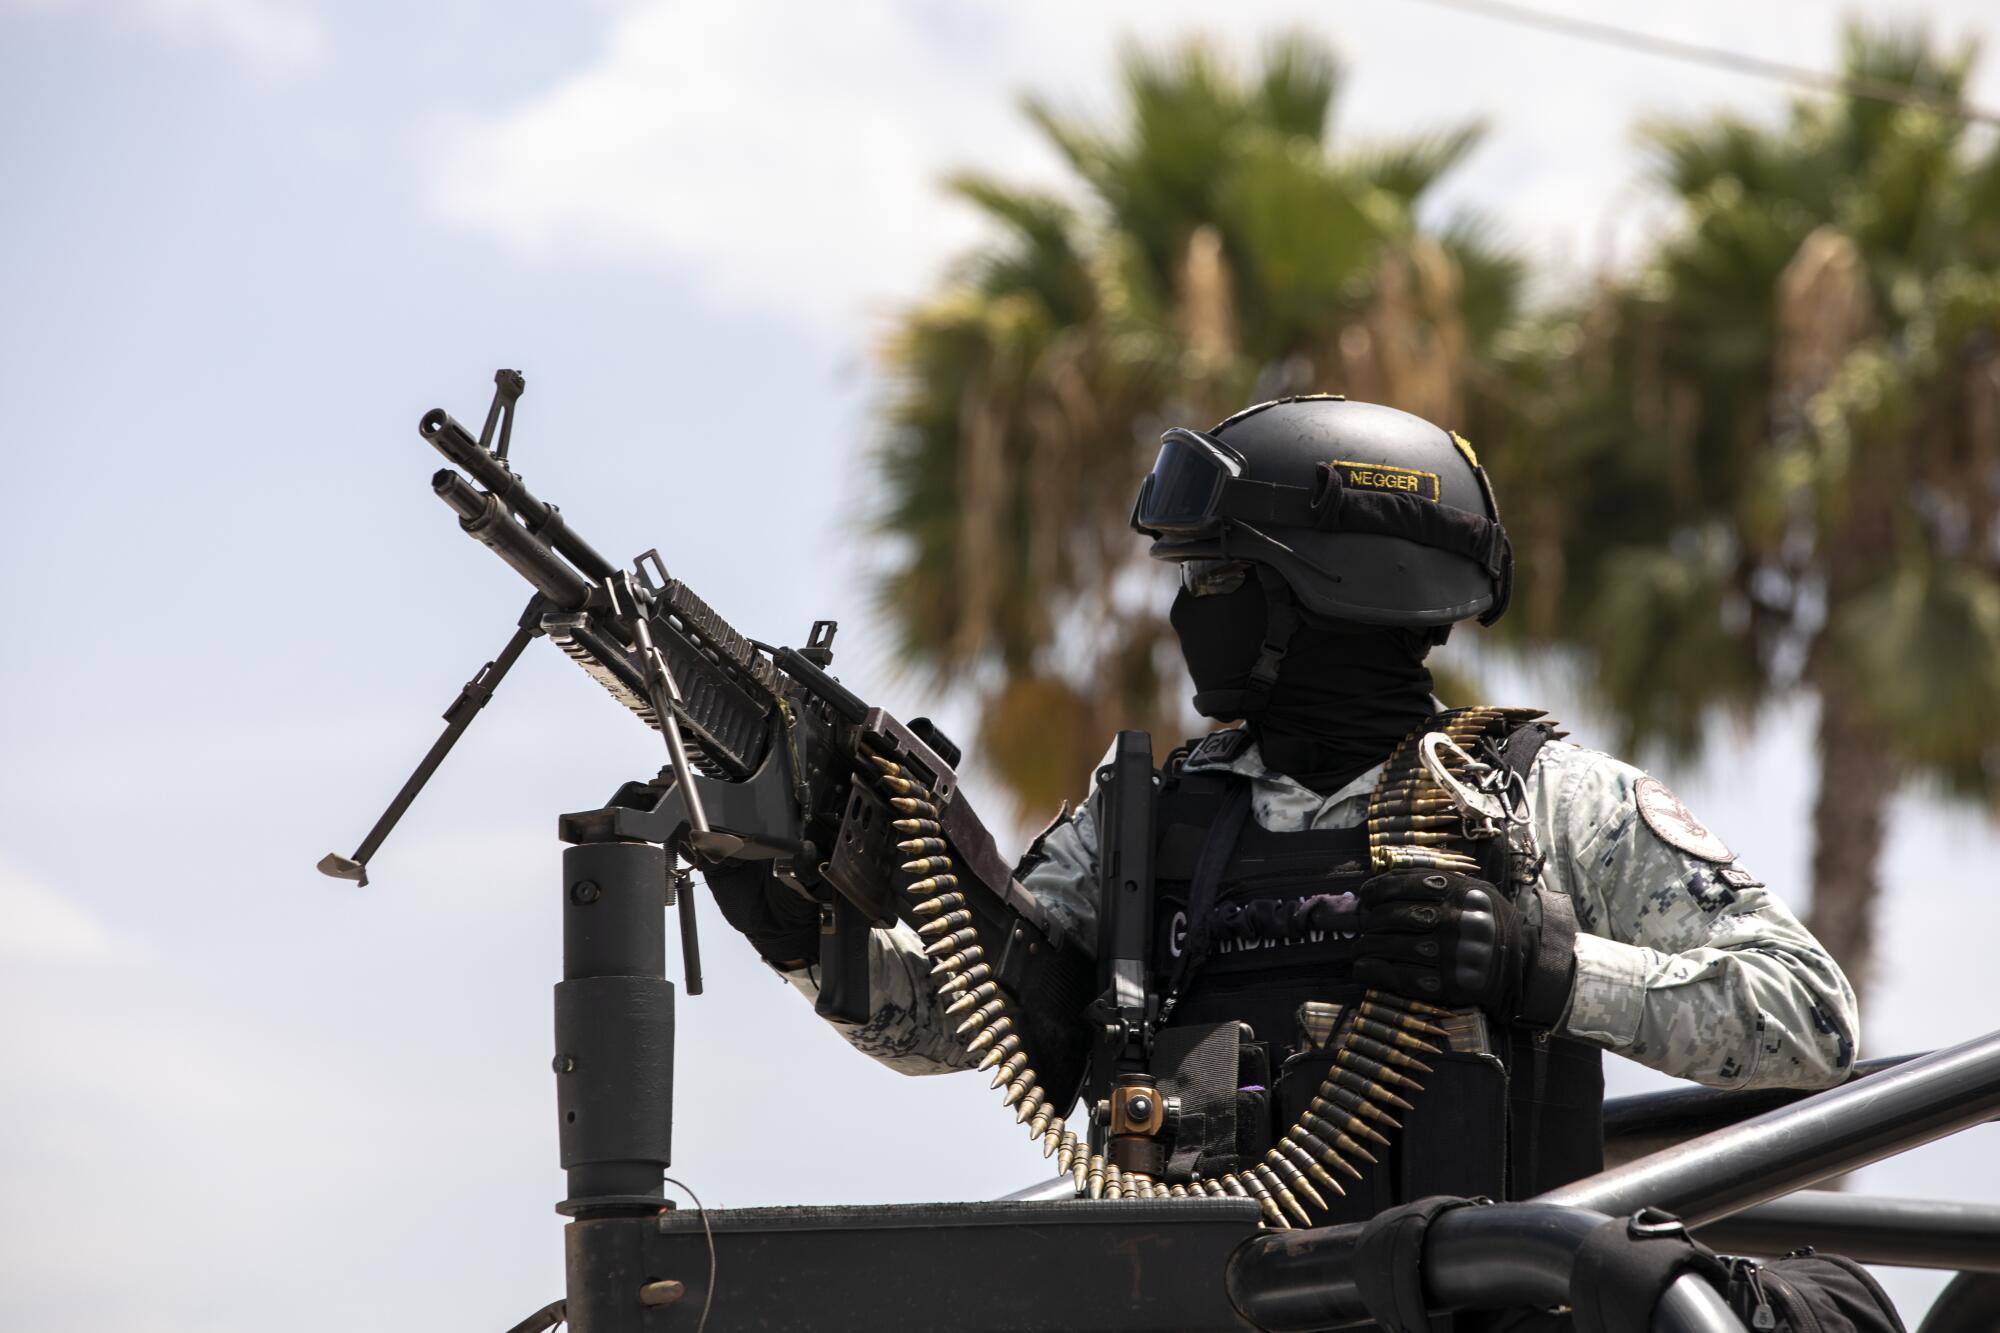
(244, 244)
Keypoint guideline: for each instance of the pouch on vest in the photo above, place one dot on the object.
(1454, 1141)
(1557, 1112)
(1196, 1068)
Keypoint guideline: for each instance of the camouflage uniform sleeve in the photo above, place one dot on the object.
(1060, 869)
(1684, 962)
(907, 1030)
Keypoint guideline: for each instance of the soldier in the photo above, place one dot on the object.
(1532, 902)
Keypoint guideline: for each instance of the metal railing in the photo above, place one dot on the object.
(1729, 1183)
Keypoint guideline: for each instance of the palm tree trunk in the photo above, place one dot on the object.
(1825, 309)
(1856, 779)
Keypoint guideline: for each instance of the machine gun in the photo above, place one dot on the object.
(770, 759)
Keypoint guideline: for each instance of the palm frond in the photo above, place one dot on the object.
(1297, 86)
(1493, 276)
(1306, 239)
(1665, 651)
(1408, 167)
(1924, 647)
(1895, 55)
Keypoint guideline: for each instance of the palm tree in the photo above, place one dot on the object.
(1215, 250)
(1777, 455)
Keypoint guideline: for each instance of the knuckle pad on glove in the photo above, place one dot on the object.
(1401, 948)
(1382, 890)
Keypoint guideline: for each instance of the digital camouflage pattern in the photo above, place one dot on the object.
(1685, 963)
(907, 1029)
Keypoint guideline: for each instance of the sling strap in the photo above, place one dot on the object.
(1208, 867)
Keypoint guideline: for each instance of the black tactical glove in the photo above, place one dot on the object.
(780, 924)
(1454, 940)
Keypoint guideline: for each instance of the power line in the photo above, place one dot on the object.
(1873, 90)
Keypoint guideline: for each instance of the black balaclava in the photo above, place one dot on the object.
(1345, 693)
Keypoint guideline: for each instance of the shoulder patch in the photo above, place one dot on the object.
(1675, 824)
(1220, 747)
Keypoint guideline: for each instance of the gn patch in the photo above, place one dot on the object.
(1675, 824)
(1221, 747)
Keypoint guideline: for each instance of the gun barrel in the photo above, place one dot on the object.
(457, 444)
(486, 519)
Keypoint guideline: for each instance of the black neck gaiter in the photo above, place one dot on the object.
(1345, 694)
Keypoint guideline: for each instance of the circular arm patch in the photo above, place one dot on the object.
(1675, 824)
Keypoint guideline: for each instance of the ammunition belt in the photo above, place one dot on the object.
(1413, 822)
(1375, 1051)
(965, 981)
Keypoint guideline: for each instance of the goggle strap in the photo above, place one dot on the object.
(1333, 506)
(1503, 582)
(1266, 503)
(1281, 621)
(1342, 508)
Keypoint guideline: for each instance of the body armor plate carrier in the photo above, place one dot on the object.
(1265, 1041)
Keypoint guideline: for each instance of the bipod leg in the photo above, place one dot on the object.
(471, 698)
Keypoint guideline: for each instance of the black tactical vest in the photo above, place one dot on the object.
(1514, 1113)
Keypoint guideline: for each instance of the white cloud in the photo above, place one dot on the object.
(38, 921)
(786, 157)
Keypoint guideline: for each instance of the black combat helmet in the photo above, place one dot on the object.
(1367, 513)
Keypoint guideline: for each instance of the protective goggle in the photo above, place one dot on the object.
(1182, 495)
